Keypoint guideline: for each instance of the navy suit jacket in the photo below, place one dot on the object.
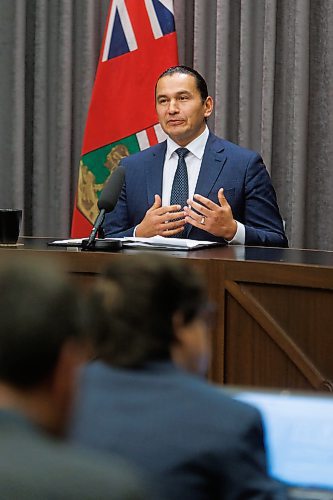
(194, 441)
(241, 172)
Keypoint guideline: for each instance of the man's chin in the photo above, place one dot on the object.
(177, 135)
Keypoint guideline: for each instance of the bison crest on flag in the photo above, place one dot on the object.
(89, 190)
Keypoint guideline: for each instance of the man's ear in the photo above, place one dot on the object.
(72, 355)
(178, 346)
(209, 105)
(177, 326)
(64, 381)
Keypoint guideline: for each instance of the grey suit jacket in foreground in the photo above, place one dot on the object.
(241, 172)
(196, 442)
(34, 466)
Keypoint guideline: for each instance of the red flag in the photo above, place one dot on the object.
(139, 44)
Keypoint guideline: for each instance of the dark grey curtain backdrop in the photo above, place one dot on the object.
(269, 67)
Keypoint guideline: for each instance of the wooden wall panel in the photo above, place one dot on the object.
(278, 336)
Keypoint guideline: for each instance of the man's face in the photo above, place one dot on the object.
(192, 347)
(180, 109)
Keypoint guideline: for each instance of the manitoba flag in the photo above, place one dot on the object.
(139, 44)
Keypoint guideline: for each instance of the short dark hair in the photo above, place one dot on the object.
(139, 296)
(186, 70)
(39, 311)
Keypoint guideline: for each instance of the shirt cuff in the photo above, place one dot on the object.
(239, 238)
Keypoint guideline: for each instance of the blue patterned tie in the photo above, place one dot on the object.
(179, 191)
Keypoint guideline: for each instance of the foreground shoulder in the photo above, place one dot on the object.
(35, 471)
(217, 402)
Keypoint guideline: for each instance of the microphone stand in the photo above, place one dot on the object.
(93, 234)
(106, 203)
(91, 244)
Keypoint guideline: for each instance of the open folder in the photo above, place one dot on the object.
(155, 242)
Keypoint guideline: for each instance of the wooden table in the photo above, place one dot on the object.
(274, 308)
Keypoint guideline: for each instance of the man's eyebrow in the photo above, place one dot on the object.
(177, 93)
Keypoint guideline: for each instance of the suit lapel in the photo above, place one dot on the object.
(154, 172)
(212, 163)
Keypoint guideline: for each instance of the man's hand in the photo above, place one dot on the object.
(207, 215)
(162, 221)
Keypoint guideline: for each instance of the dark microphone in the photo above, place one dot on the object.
(107, 201)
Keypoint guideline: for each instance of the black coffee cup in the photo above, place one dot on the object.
(10, 222)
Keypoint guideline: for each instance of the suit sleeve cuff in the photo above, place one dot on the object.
(239, 238)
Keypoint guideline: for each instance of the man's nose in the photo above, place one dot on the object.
(173, 106)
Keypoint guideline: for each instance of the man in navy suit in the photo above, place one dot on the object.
(230, 196)
(144, 399)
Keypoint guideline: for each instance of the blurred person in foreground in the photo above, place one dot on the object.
(144, 397)
(42, 345)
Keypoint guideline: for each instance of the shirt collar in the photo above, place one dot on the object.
(196, 147)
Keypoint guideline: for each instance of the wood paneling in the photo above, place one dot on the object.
(274, 309)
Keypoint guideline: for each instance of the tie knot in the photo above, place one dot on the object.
(182, 152)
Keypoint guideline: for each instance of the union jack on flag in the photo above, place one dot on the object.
(139, 44)
(120, 37)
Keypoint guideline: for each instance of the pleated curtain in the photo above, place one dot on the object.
(269, 68)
